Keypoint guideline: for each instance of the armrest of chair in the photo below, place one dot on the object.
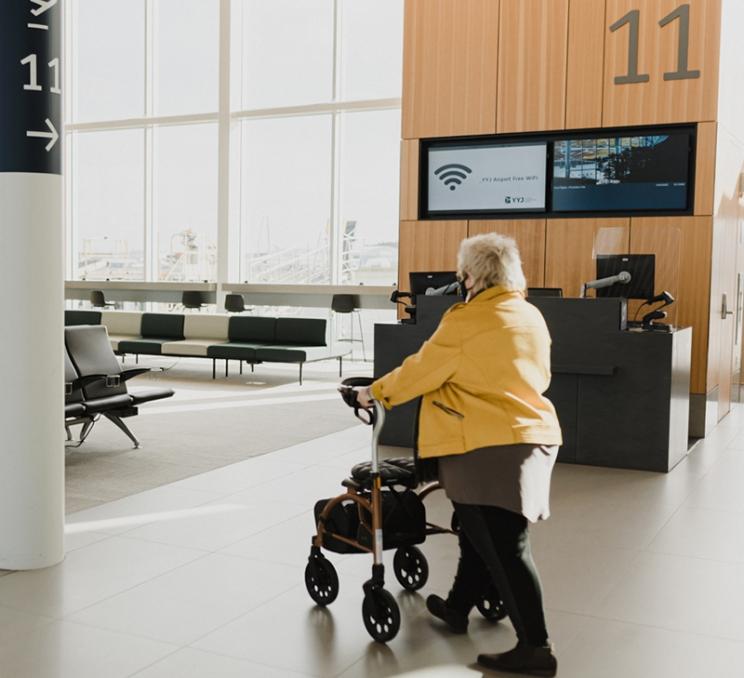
(126, 375)
(83, 381)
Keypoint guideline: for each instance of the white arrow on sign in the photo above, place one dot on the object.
(43, 6)
(52, 135)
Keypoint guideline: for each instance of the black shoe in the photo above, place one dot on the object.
(457, 621)
(526, 659)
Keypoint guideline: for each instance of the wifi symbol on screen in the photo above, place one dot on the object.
(452, 174)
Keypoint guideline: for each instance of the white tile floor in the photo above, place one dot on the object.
(643, 577)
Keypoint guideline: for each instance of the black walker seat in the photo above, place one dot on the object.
(399, 471)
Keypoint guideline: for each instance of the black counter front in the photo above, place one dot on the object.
(622, 396)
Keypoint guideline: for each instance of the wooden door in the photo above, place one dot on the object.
(724, 312)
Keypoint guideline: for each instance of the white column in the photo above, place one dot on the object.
(227, 244)
(31, 280)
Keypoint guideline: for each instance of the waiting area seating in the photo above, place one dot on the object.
(249, 339)
(96, 384)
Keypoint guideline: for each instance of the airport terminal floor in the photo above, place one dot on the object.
(202, 576)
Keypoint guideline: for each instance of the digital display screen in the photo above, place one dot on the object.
(621, 173)
(487, 178)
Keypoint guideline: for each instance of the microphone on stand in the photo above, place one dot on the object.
(622, 278)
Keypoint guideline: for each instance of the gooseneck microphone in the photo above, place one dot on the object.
(622, 278)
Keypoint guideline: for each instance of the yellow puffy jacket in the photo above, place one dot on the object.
(482, 375)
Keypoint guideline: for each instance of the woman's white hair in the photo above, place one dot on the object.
(490, 260)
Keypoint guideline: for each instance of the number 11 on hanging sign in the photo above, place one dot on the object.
(31, 86)
(633, 20)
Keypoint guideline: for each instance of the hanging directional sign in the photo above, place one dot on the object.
(30, 86)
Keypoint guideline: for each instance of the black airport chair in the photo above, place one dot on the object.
(348, 304)
(82, 317)
(156, 329)
(75, 410)
(234, 303)
(98, 300)
(192, 300)
(103, 380)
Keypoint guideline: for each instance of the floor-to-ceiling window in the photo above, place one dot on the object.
(142, 139)
(314, 119)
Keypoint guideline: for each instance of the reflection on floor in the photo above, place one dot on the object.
(206, 425)
(203, 578)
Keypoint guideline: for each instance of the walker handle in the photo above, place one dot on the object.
(349, 393)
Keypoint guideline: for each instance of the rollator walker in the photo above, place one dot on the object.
(381, 509)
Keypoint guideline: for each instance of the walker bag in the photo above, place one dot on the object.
(403, 522)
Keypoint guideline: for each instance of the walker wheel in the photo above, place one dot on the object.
(491, 606)
(381, 615)
(410, 567)
(321, 580)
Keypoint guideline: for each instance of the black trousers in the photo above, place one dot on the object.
(495, 551)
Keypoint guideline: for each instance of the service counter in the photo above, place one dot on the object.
(622, 396)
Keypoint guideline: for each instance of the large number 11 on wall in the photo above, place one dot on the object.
(633, 20)
(661, 61)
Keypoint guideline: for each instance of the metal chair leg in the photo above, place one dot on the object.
(214, 368)
(340, 366)
(85, 431)
(241, 366)
(301, 364)
(361, 336)
(351, 333)
(227, 366)
(123, 427)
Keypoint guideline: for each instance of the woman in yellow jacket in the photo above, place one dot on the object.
(483, 417)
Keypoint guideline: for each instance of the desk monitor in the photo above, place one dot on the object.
(544, 291)
(420, 281)
(642, 271)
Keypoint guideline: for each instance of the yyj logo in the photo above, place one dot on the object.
(452, 174)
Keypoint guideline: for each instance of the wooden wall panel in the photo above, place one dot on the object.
(428, 246)
(533, 39)
(476, 67)
(572, 246)
(585, 67)
(409, 179)
(705, 167)
(450, 58)
(683, 266)
(529, 235)
(662, 101)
